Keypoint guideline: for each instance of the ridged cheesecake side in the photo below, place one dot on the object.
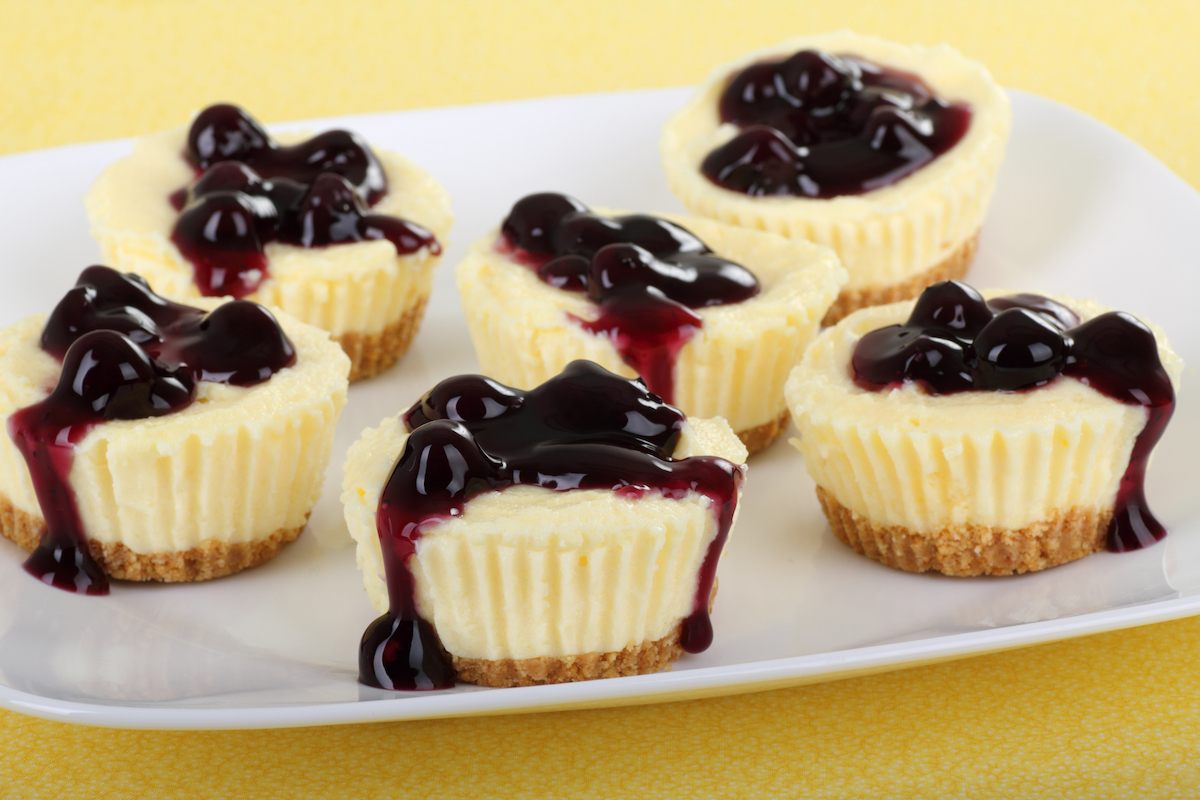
(529, 574)
(920, 481)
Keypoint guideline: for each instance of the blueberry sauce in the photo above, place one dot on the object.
(227, 133)
(955, 341)
(251, 191)
(126, 354)
(819, 125)
(646, 274)
(583, 429)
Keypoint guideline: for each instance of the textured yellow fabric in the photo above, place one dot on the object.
(1115, 714)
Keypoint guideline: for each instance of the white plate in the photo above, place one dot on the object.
(1079, 210)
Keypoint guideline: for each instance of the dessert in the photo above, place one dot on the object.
(712, 317)
(513, 538)
(885, 152)
(149, 440)
(979, 437)
(337, 235)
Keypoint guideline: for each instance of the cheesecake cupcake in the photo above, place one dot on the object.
(711, 317)
(984, 437)
(565, 533)
(336, 234)
(887, 153)
(149, 440)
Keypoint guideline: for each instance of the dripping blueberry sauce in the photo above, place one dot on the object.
(819, 125)
(646, 275)
(955, 341)
(583, 429)
(250, 191)
(126, 354)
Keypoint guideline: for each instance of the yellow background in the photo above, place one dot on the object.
(1114, 714)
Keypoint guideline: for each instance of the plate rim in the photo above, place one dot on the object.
(694, 684)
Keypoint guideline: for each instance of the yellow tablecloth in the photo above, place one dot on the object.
(1114, 714)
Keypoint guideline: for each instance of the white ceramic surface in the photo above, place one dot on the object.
(1080, 210)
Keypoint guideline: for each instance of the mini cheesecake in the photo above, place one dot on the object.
(984, 438)
(886, 153)
(337, 235)
(577, 538)
(149, 440)
(712, 317)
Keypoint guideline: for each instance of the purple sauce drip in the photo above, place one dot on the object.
(646, 274)
(250, 191)
(126, 354)
(954, 341)
(819, 125)
(584, 429)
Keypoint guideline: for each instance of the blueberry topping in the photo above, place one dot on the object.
(819, 125)
(251, 191)
(531, 224)
(1056, 314)
(583, 233)
(466, 398)
(107, 376)
(951, 307)
(569, 272)
(889, 356)
(239, 343)
(645, 273)
(219, 234)
(1019, 349)
(104, 299)
(760, 162)
(225, 132)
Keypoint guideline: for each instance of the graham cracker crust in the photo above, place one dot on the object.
(372, 353)
(759, 438)
(952, 268)
(638, 659)
(209, 560)
(966, 550)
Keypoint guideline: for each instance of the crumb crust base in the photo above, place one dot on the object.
(211, 559)
(639, 659)
(372, 353)
(969, 550)
(761, 436)
(953, 267)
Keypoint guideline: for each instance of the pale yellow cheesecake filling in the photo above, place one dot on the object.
(924, 462)
(360, 287)
(236, 465)
(529, 572)
(885, 236)
(735, 365)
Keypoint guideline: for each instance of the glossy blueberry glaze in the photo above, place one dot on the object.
(584, 429)
(955, 341)
(225, 132)
(646, 274)
(819, 125)
(251, 191)
(126, 354)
